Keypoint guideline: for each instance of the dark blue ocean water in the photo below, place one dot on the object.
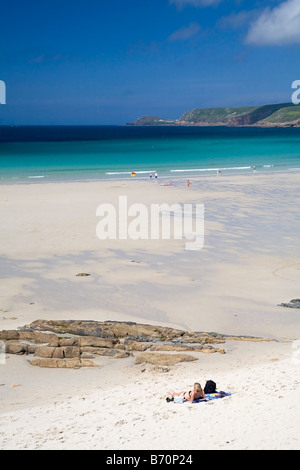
(63, 153)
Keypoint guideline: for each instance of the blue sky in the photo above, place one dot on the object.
(112, 61)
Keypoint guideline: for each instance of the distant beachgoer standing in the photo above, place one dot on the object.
(151, 175)
(188, 184)
(156, 175)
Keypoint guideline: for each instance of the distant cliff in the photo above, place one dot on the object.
(273, 115)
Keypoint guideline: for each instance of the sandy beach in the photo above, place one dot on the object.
(250, 263)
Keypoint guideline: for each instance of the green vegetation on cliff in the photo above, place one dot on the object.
(215, 115)
(268, 115)
(153, 121)
(289, 114)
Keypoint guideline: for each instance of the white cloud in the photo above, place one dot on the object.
(237, 20)
(195, 3)
(277, 26)
(185, 33)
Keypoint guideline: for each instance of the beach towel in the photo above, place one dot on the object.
(213, 396)
(208, 397)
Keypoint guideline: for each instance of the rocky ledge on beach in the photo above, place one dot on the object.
(74, 343)
(294, 303)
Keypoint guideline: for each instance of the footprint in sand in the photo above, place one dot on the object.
(121, 423)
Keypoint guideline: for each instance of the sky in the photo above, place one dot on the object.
(98, 62)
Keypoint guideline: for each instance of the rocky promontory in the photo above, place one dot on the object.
(294, 303)
(271, 115)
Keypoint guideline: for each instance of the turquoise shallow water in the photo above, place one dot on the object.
(65, 153)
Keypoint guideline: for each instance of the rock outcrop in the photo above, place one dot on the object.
(62, 363)
(271, 115)
(72, 343)
(163, 359)
(294, 303)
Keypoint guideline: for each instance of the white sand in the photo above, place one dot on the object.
(250, 263)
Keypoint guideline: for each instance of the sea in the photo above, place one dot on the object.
(31, 154)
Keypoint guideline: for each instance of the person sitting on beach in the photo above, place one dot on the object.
(192, 395)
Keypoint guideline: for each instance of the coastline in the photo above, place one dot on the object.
(234, 285)
(113, 152)
(174, 177)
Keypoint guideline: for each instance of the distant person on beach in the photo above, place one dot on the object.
(156, 175)
(254, 168)
(151, 175)
(188, 184)
(192, 395)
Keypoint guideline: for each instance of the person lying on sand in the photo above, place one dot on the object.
(192, 395)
